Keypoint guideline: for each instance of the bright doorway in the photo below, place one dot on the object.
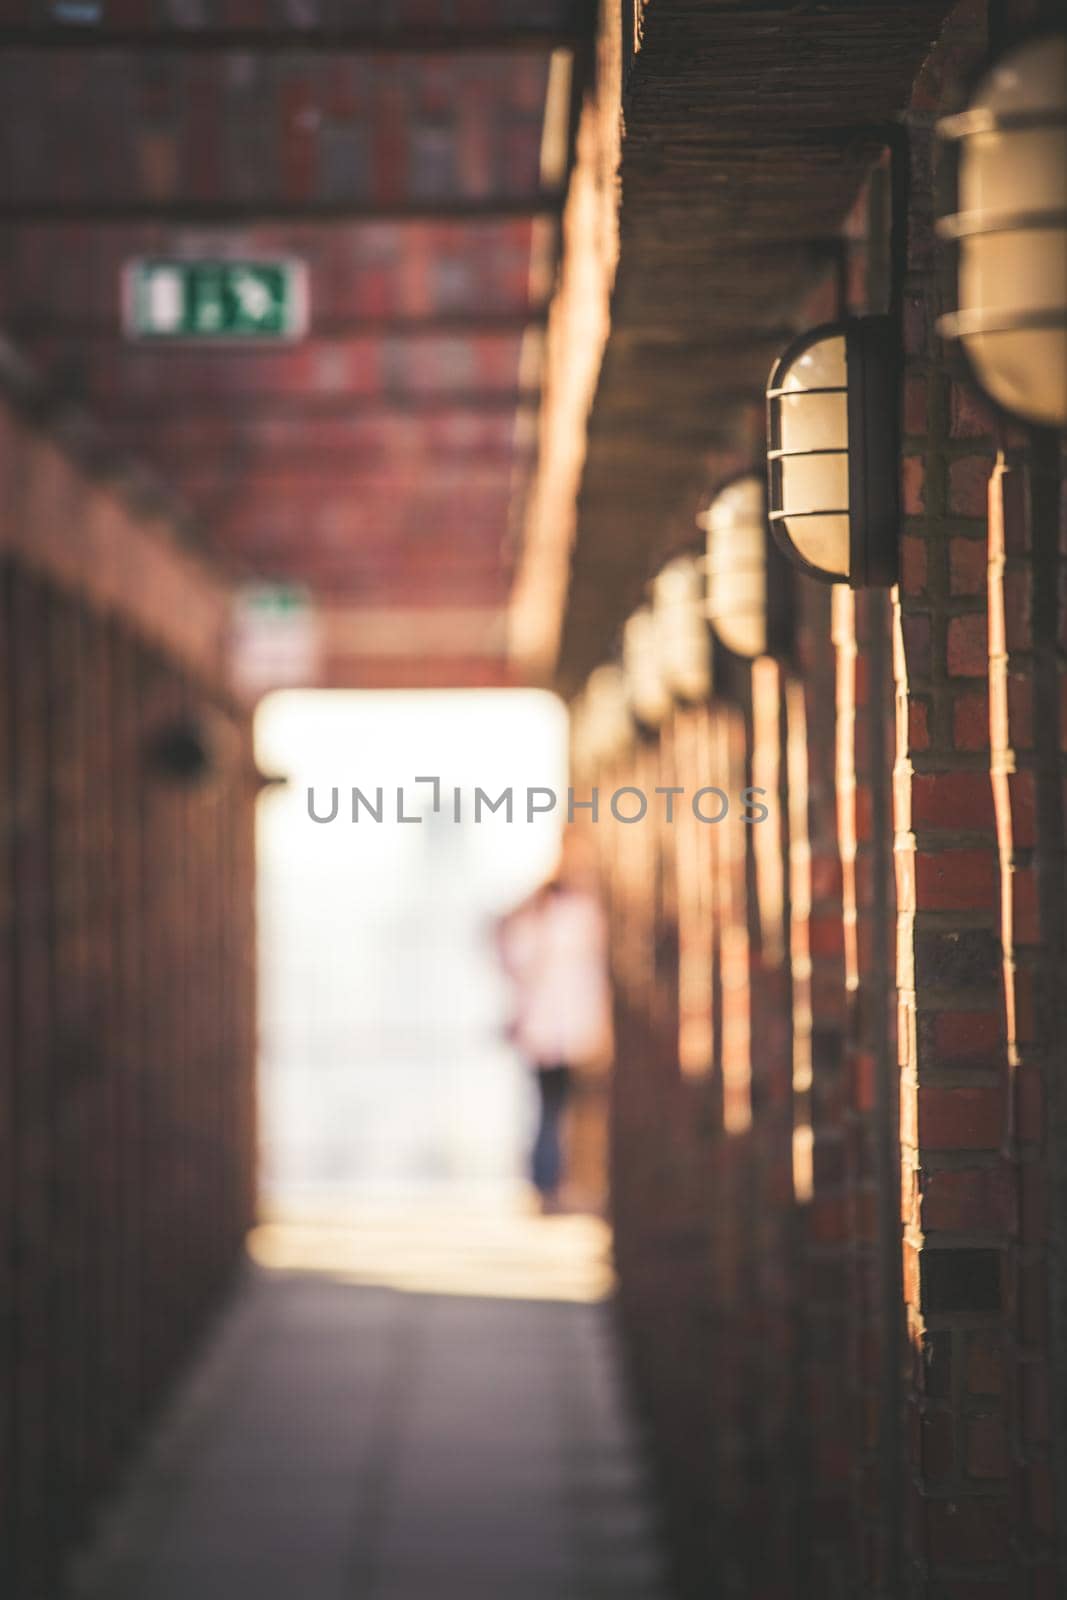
(385, 1071)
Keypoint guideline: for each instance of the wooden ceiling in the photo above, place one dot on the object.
(399, 149)
(464, 422)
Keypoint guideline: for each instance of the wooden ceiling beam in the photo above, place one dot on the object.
(303, 407)
(46, 322)
(270, 213)
(350, 39)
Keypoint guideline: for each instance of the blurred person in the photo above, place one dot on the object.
(553, 947)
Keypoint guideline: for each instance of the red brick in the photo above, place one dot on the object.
(961, 800)
(913, 565)
(970, 720)
(968, 479)
(960, 1119)
(968, 566)
(938, 1448)
(1018, 613)
(826, 877)
(984, 1372)
(861, 680)
(969, 415)
(827, 1219)
(955, 880)
(1026, 921)
(968, 1531)
(913, 485)
(916, 635)
(863, 1072)
(918, 725)
(1020, 734)
(967, 1038)
(974, 1199)
(987, 1448)
(826, 934)
(968, 646)
(1010, 488)
(915, 404)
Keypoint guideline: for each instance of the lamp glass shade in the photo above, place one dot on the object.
(814, 421)
(684, 646)
(649, 696)
(605, 722)
(823, 542)
(822, 365)
(1012, 231)
(1014, 170)
(736, 525)
(815, 482)
(833, 452)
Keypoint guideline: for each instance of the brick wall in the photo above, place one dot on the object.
(126, 1029)
(978, 812)
(867, 1155)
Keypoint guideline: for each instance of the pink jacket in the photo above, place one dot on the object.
(555, 950)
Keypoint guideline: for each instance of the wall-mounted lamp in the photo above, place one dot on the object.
(833, 451)
(179, 752)
(683, 641)
(1012, 231)
(737, 566)
(645, 681)
(604, 722)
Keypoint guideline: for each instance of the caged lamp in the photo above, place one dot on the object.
(745, 600)
(650, 697)
(605, 722)
(833, 451)
(683, 640)
(1011, 231)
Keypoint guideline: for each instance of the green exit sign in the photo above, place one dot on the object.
(239, 301)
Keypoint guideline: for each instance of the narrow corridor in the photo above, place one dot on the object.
(533, 673)
(346, 1439)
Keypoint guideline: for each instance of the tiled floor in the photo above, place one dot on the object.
(345, 1440)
